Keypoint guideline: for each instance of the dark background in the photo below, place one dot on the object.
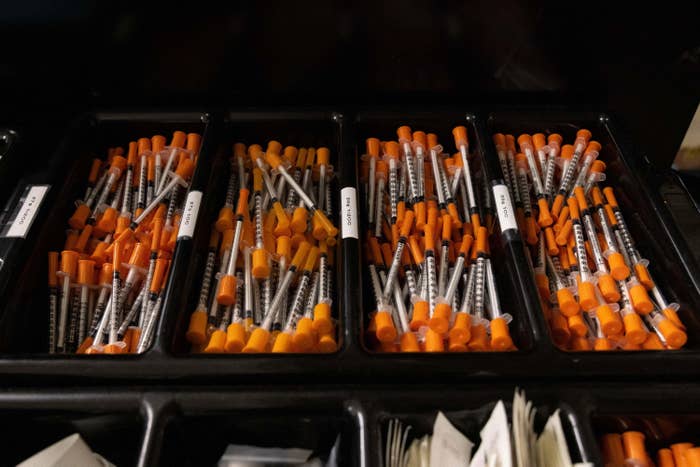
(639, 63)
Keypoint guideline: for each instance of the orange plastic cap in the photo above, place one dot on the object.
(545, 219)
(86, 269)
(322, 323)
(421, 311)
(482, 237)
(643, 275)
(144, 145)
(283, 343)
(106, 274)
(562, 238)
(674, 337)
(692, 458)
(225, 220)
(524, 140)
(327, 343)
(557, 204)
(580, 198)
(53, 268)
(446, 228)
(510, 143)
(391, 149)
(284, 247)
(386, 331)
(593, 146)
(577, 325)
(421, 138)
(328, 228)
(158, 273)
(635, 331)
(560, 328)
(608, 288)
(311, 258)
(555, 138)
(597, 196)
(407, 224)
(574, 212)
(640, 299)
(227, 290)
(440, 321)
(373, 146)
(119, 163)
(185, 168)
(664, 458)
(679, 450)
(303, 338)
(432, 140)
(434, 342)
(567, 151)
(550, 241)
(567, 303)
(274, 146)
(633, 446)
(301, 254)
(116, 348)
(499, 139)
(273, 159)
(291, 154)
(610, 196)
(299, 220)
(583, 133)
(598, 166)
(500, 335)
(618, 267)
(613, 454)
(69, 263)
(479, 340)
(217, 342)
(610, 322)
(653, 342)
(404, 133)
(586, 296)
(323, 156)
(461, 329)
(581, 344)
(261, 265)
(671, 314)
(602, 344)
(409, 342)
(460, 135)
(453, 346)
(235, 338)
(257, 343)
(79, 217)
(158, 143)
(539, 140)
(197, 330)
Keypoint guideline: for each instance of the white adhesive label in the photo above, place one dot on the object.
(27, 212)
(189, 214)
(348, 209)
(504, 208)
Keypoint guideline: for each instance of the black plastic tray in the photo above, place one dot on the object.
(383, 125)
(193, 427)
(303, 129)
(655, 234)
(537, 358)
(24, 313)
